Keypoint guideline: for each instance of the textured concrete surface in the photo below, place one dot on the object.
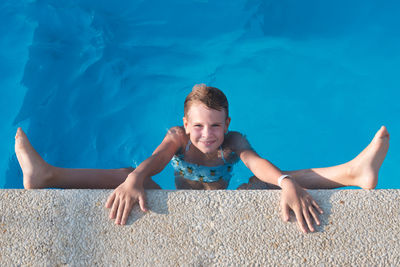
(197, 228)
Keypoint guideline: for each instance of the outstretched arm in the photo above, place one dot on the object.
(131, 191)
(261, 168)
(161, 156)
(293, 196)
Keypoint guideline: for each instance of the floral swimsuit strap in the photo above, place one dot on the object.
(202, 173)
(220, 149)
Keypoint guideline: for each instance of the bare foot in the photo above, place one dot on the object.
(365, 167)
(35, 170)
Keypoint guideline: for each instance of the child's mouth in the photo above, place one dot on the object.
(208, 143)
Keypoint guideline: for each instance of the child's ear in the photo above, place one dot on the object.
(185, 123)
(227, 122)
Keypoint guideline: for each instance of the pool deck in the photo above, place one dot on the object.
(197, 228)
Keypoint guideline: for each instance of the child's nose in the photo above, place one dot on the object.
(206, 131)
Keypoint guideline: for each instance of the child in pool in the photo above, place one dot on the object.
(202, 153)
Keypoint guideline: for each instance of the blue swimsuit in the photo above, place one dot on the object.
(203, 173)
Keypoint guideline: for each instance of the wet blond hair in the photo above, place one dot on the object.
(211, 97)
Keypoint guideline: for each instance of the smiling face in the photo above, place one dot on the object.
(206, 127)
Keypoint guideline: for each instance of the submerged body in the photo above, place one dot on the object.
(210, 174)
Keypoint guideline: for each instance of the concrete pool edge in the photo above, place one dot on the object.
(230, 227)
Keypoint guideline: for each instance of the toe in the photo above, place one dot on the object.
(382, 133)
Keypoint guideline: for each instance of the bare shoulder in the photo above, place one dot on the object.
(237, 141)
(178, 135)
(177, 130)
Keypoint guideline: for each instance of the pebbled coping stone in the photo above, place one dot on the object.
(197, 228)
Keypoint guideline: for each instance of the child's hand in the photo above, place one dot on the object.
(122, 200)
(303, 205)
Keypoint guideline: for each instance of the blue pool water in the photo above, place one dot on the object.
(97, 84)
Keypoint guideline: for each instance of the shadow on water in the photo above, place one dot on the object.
(13, 174)
(313, 18)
